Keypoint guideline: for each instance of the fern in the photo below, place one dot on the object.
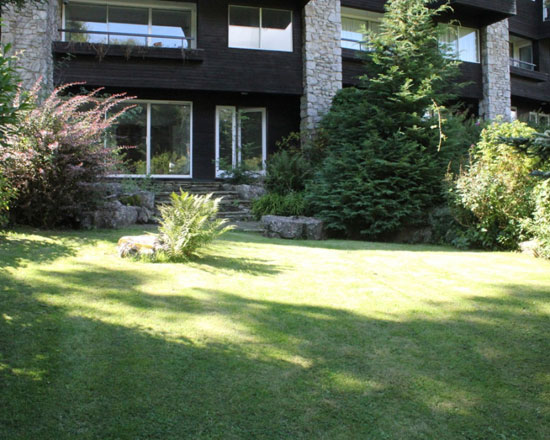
(189, 223)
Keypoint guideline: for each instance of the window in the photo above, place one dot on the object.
(545, 10)
(260, 28)
(539, 118)
(521, 53)
(163, 25)
(355, 23)
(240, 139)
(460, 43)
(159, 138)
(514, 113)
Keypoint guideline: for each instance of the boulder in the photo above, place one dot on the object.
(144, 215)
(249, 192)
(146, 199)
(114, 215)
(131, 246)
(307, 228)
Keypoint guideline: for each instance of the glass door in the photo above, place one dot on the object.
(240, 139)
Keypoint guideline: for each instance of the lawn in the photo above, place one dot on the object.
(270, 339)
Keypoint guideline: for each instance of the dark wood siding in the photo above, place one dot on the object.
(470, 75)
(221, 68)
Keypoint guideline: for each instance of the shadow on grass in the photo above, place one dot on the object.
(298, 371)
(345, 245)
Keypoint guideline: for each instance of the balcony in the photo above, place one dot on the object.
(486, 12)
(520, 64)
(126, 44)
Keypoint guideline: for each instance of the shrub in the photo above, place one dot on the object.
(289, 204)
(540, 224)
(287, 171)
(384, 164)
(492, 197)
(56, 154)
(188, 223)
(7, 193)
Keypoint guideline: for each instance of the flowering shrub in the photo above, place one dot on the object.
(54, 156)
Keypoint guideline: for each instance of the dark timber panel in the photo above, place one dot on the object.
(470, 74)
(283, 117)
(221, 68)
(528, 20)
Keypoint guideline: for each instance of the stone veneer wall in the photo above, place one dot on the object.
(31, 30)
(495, 63)
(322, 55)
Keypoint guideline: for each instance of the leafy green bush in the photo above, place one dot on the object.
(287, 171)
(289, 204)
(540, 224)
(189, 223)
(491, 198)
(7, 194)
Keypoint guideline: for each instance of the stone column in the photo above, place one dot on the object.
(30, 30)
(495, 64)
(322, 60)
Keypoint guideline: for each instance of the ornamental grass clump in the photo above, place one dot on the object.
(189, 223)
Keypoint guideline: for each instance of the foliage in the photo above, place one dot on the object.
(539, 226)
(7, 193)
(188, 223)
(12, 101)
(287, 171)
(384, 167)
(56, 154)
(133, 185)
(289, 204)
(491, 198)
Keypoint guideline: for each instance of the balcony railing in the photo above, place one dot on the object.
(111, 38)
(514, 62)
(362, 45)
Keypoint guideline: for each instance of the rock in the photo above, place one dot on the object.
(114, 215)
(144, 215)
(293, 227)
(131, 246)
(249, 192)
(147, 200)
(530, 247)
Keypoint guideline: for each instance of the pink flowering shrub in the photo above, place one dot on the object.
(56, 154)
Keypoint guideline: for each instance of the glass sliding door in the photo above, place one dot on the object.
(155, 138)
(240, 139)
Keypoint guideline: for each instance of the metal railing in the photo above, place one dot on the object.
(514, 62)
(185, 41)
(363, 44)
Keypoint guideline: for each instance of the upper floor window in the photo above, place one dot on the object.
(162, 24)
(260, 28)
(460, 43)
(355, 24)
(521, 53)
(546, 10)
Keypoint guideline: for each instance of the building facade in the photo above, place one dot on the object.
(218, 83)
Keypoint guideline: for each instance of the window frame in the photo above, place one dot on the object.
(478, 43)
(149, 103)
(260, 9)
(236, 153)
(363, 15)
(149, 5)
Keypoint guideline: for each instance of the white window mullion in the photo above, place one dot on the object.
(148, 140)
(150, 26)
(261, 27)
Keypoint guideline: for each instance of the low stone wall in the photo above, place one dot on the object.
(305, 228)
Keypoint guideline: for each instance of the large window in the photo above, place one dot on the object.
(240, 139)
(460, 43)
(521, 53)
(260, 28)
(164, 24)
(155, 138)
(355, 24)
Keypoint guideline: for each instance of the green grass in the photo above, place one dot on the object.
(271, 339)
